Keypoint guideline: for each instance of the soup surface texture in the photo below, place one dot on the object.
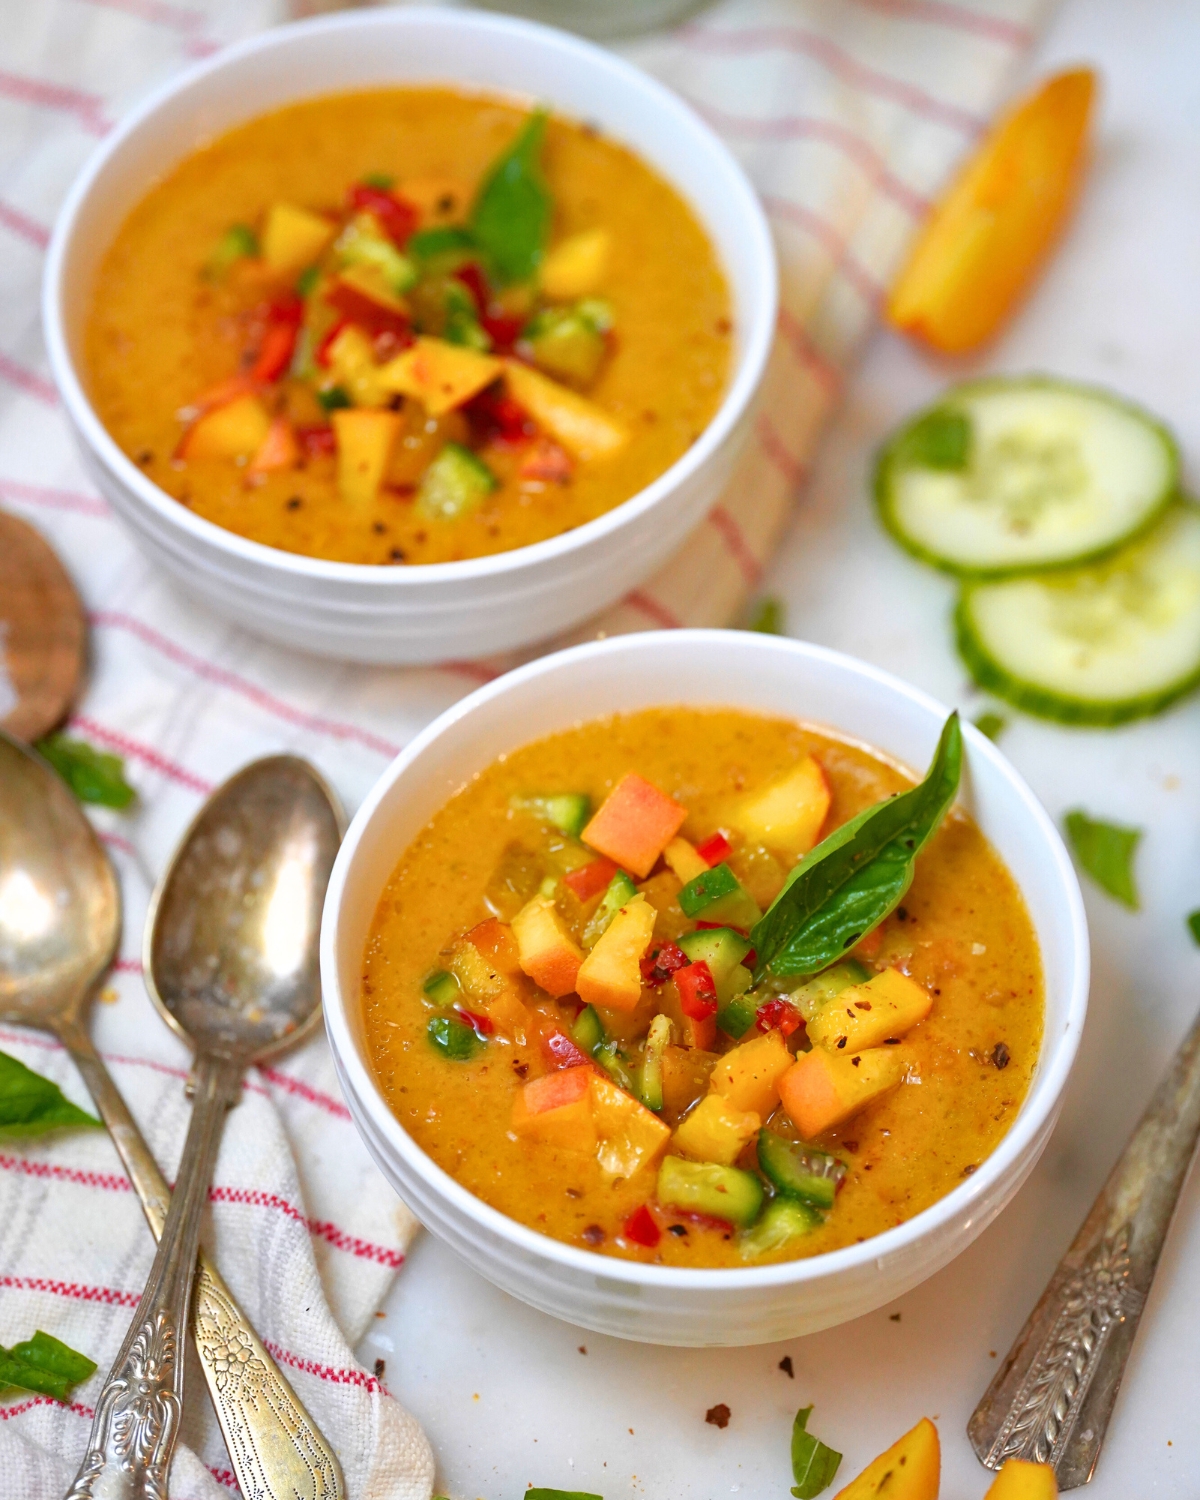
(961, 942)
(260, 369)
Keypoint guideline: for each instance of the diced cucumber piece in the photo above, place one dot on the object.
(620, 890)
(785, 1221)
(798, 1171)
(1015, 474)
(588, 1030)
(737, 1016)
(566, 811)
(722, 950)
(441, 987)
(455, 483)
(706, 1187)
(357, 245)
(822, 988)
(658, 1039)
(612, 1060)
(568, 342)
(452, 1037)
(718, 896)
(1102, 644)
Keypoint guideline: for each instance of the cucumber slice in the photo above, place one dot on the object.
(566, 811)
(707, 1187)
(620, 890)
(1009, 476)
(784, 1221)
(798, 1171)
(718, 896)
(1098, 645)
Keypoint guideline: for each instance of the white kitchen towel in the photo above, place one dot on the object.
(848, 115)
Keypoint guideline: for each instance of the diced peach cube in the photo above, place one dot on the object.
(631, 1136)
(548, 953)
(556, 1110)
(716, 1130)
(237, 429)
(682, 858)
(748, 1076)
(911, 1469)
(1020, 1480)
(788, 812)
(635, 824)
(495, 941)
(822, 1089)
(278, 450)
(866, 1015)
(610, 977)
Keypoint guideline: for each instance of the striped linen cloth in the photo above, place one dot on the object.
(848, 115)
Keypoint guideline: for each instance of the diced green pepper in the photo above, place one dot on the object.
(718, 896)
(620, 890)
(566, 811)
(455, 483)
(239, 242)
(452, 1037)
(799, 1172)
(358, 245)
(588, 1030)
(707, 1187)
(658, 1039)
(441, 987)
(785, 1220)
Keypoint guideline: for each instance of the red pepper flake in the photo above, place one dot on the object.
(778, 1015)
(717, 1416)
(697, 991)
(396, 216)
(715, 849)
(590, 879)
(657, 967)
(481, 1025)
(641, 1228)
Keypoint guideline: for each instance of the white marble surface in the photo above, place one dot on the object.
(503, 1392)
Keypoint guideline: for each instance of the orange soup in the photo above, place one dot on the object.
(564, 1005)
(408, 326)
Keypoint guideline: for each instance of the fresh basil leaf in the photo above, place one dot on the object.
(444, 239)
(93, 775)
(767, 616)
(1105, 852)
(558, 1495)
(852, 879)
(941, 439)
(510, 219)
(813, 1464)
(1193, 922)
(31, 1104)
(993, 725)
(45, 1365)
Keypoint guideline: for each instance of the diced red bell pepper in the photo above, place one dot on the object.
(641, 1228)
(778, 1015)
(274, 354)
(374, 317)
(471, 276)
(503, 330)
(496, 417)
(397, 217)
(561, 1051)
(657, 967)
(715, 849)
(321, 353)
(317, 439)
(590, 879)
(697, 991)
(482, 1025)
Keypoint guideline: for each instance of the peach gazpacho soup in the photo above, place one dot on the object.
(704, 988)
(408, 326)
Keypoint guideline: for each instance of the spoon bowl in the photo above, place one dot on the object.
(60, 906)
(43, 633)
(231, 938)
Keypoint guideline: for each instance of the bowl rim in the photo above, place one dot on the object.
(969, 1198)
(748, 370)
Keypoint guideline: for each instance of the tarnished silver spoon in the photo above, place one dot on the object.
(231, 962)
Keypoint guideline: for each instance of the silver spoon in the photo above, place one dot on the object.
(1051, 1399)
(231, 961)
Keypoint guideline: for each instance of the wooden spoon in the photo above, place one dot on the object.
(43, 633)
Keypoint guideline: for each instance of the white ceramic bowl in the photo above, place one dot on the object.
(769, 675)
(444, 610)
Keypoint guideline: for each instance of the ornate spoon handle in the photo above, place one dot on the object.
(1051, 1399)
(274, 1445)
(136, 1424)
